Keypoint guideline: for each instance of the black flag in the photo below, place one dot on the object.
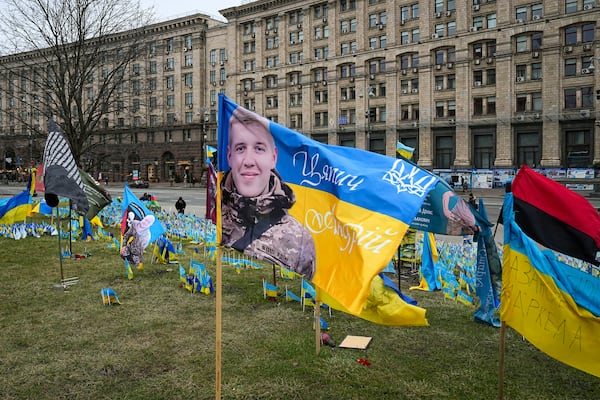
(61, 175)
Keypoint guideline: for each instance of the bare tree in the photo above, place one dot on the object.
(67, 59)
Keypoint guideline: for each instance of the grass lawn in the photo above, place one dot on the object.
(160, 342)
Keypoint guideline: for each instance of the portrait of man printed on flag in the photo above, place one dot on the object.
(354, 205)
(255, 200)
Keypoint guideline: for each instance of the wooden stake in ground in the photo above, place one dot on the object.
(501, 360)
(317, 320)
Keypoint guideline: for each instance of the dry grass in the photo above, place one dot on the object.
(160, 343)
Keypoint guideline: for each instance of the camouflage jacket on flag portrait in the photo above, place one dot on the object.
(261, 227)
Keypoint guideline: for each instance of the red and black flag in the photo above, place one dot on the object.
(555, 216)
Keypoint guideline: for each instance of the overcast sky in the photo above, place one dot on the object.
(169, 9)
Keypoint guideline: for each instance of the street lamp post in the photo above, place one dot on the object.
(591, 67)
(205, 120)
(370, 93)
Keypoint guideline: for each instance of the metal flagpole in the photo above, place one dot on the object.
(62, 276)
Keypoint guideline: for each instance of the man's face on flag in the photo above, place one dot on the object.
(251, 155)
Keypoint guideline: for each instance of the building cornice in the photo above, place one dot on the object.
(254, 7)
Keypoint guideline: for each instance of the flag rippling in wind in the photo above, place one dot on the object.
(404, 151)
(17, 207)
(61, 175)
(568, 224)
(133, 208)
(98, 198)
(357, 205)
(552, 304)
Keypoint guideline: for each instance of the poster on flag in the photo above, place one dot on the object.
(445, 212)
(350, 207)
(133, 209)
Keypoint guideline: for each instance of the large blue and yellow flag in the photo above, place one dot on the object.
(357, 205)
(554, 305)
(18, 207)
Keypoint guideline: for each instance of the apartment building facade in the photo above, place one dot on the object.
(467, 83)
(162, 120)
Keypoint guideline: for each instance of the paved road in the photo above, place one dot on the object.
(196, 197)
(166, 195)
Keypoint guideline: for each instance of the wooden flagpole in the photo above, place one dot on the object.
(317, 320)
(501, 360)
(62, 275)
(218, 333)
(218, 290)
(70, 228)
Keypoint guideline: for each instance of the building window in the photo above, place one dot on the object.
(521, 102)
(376, 66)
(587, 97)
(537, 11)
(405, 37)
(571, 6)
(579, 148)
(570, 98)
(189, 99)
(521, 72)
(321, 96)
(571, 67)
(296, 57)
(270, 23)
(171, 101)
(444, 151)
(451, 81)
(347, 5)
(536, 71)
(249, 47)
(439, 109)
(188, 79)
(491, 105)
(295, 99)
(271, 81)
(478, 106)
(188, 42)
(295, 17)
(483, 151)
(536, 101)
(528, 148)
(321, 53)
(347, 70)
(248, 28)
(321, 119)
(296, 121)
(348, 93)
(522, 43)
(588, 33)
(272, 102)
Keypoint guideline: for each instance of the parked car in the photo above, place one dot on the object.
(139, 183)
